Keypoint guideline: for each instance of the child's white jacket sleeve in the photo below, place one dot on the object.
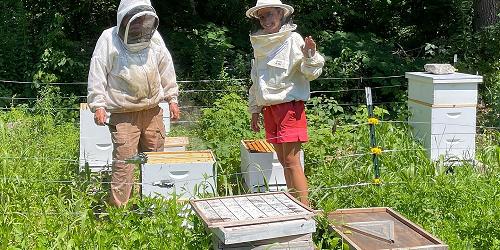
(311, 67)
(252, 92)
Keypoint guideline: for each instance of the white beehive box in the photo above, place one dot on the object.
(188, 174)
(443, 113)
(96, 147)
(166, 115)
(257, 221)
(176, 144)
(260, 164)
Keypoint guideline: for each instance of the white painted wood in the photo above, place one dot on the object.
(298, 242)
(291, 204)
(443, 113)
(240, 210)
(208, 211)
(258, 167)
(253, 211)
(448, 132)
(222, 210)
(236, 209)
(442, 120)
(278, 205)
(263, 206)
(254, 217)
(166, 115)
(174, 149)
(234, 235)
(455, 88)
(448, 78)
(188, 179)
(96, 147)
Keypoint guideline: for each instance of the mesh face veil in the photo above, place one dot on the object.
(138, 26)
(141, 28)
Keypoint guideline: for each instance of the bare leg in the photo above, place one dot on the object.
(291, 154)
(281, 158)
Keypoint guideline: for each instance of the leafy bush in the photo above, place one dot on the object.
(222, 128)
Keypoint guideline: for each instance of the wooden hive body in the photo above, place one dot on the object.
(260, 164)
(188, 174)
(176, 144)
(388, 230)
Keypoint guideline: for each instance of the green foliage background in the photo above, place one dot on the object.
(52, 41)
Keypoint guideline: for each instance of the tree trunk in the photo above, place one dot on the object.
(193, 7)
(485, 13)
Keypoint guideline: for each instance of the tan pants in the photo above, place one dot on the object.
(132, 133)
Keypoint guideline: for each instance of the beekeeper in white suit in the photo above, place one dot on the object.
(131, 71)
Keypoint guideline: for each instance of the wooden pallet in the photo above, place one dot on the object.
(255, 217)
(381, 229)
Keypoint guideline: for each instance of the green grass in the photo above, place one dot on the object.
(459, 205)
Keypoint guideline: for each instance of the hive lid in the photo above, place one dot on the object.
(380, 228)
(258, 146)
(180, 157)
(448, 78)
(250, 209)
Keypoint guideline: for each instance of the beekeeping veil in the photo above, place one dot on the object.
(137, 22)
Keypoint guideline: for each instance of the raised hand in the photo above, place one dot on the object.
(309, 48)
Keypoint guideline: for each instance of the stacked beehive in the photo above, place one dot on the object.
(257, 221)
(96, 148)
(443, 113)
(260, 166)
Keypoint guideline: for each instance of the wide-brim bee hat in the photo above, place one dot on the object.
(252, 12)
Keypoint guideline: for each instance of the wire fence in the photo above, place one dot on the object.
(225, 175)
(213, 80)
(258, 170)
(138, 211)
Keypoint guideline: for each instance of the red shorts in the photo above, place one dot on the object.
(285, 122)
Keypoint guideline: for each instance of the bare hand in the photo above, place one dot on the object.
(309, 48)
(255, 122)
(175, 113)
(100, 117)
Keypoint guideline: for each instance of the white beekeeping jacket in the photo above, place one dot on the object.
(131, 72)
(280, 72)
